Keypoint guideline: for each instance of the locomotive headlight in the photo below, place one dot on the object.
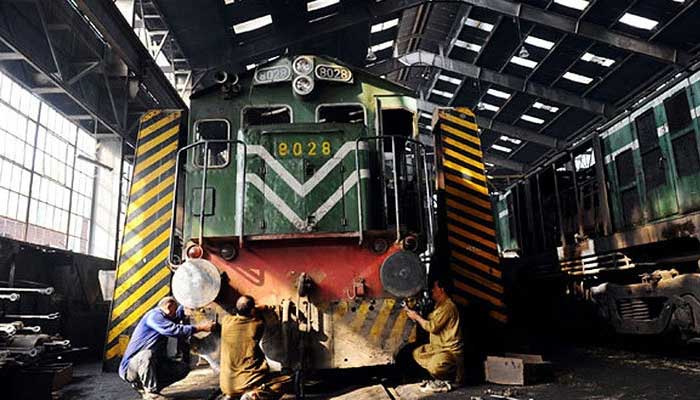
(303, 85)
(303, 65)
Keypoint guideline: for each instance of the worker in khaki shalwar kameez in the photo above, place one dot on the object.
(244, 371)
(443, 356)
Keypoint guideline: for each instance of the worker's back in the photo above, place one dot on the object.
(242, 361)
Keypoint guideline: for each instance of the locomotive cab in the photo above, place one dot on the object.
(302, 186)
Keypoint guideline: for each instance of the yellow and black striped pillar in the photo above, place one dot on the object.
(143, 275)
(465, 218)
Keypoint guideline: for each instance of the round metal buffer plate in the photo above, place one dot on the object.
(196, 283)
(402, 274)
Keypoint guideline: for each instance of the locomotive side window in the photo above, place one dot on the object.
(271, 115)
(341, 113)
(677, 111)
(214, 129)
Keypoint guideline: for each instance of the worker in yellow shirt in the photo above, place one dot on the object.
(443, 356)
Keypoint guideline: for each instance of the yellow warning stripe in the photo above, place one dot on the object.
(466, 196)
(155, 174)
(141, 273)
(476, 264)
(473, 249)
(157, 125)
(478, 293)
(396, 334)
(153, 158)
(145, 232)
(467, 124)
(127, 264)
(144, 147)
(466, 182)
(361, 316)
(378, 327)
(144, 198)
(499, 316)
(465, 171)
(464, 159)
(471, 223)
(476, 278)
(157, 206)
(471, 211)
(339, 311)
(462, 147)
(143, 289)
(137, 313)
(462, 134)
(466, 111)
(149, 115)
(488, 243)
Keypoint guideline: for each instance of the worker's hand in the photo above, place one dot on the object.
(205, 326)
(412, 315)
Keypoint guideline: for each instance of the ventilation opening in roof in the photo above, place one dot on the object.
(382, 26)
(638, 21)
(319, 4)
(578, 78)
(575, 4)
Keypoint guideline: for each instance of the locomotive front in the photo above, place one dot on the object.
(301, 186)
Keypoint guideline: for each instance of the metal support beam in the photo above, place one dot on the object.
(501, 127)
(48, 90)
(506, 163)
(11, 57)
(585, 29)
(560, 96)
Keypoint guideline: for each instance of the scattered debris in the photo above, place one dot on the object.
(517, 369)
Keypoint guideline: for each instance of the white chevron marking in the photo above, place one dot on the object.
(305, 188)
(331, 201)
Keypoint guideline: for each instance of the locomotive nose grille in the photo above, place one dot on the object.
(643, 309)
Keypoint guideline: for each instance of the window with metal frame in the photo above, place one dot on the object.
(341, 113)
(212, 129)
(269, 115)
(677, 111)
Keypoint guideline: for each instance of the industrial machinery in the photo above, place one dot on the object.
(618, 215)
(302, 183)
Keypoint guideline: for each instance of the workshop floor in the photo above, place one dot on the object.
(591, 373)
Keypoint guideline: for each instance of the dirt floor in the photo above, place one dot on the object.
(591, 373)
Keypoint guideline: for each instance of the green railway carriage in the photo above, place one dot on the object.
(627, 202)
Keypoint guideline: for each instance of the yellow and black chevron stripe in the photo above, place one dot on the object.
(466, 218)
(143, 275)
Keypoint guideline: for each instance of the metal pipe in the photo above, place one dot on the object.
(429, 201)
(202, 194)
(45, 291)
(359, 188)
(396, 188)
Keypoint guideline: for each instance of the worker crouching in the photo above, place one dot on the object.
(443, 356)
(244, 371)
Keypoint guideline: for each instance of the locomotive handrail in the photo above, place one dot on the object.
(202, 198)
(428, 202)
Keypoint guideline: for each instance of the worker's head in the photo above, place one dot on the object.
(245, 305)
(168, 305)
(440, 289)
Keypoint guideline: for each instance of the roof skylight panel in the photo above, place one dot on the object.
(539, 42)
(443, 93)
(468, 46)
(638, 21)
(523, 62)
(575, 4)
(501, 148)
(449, 79)
(252, 24)
(605, 62)
(474, 23)
(487, 107)
(319, 4)
(546, 107)
(510, 139)
(382, 26)
(578, 78)
(382, 46)
(498, 93)
(530, 118)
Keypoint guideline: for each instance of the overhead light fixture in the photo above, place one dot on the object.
(371, 57)
(523, 53)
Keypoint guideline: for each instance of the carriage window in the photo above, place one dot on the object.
(267, 115)
(646, 131)
(212, 130)
(677, 111)
(346, 113)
